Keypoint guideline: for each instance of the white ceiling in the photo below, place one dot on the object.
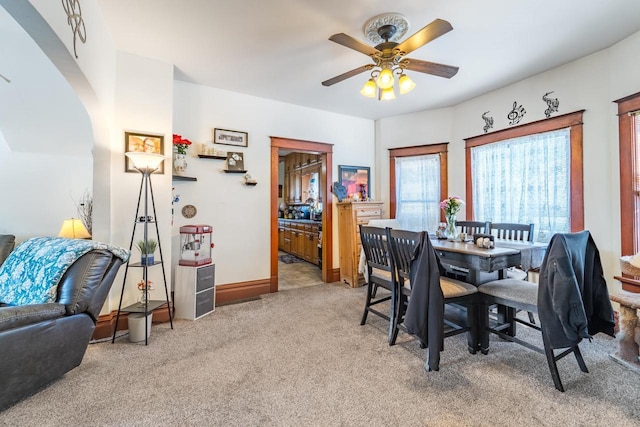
(279, 49)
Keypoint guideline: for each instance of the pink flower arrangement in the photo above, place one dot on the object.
(451, 205)
(141, 285)
(181, 143)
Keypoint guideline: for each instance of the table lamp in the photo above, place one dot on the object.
(73, 229)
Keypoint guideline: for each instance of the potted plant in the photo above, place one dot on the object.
(147, 249)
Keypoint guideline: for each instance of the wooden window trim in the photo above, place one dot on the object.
(628, 208)
(570, 120)
(418, 150)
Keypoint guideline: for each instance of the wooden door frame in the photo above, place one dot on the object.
(326, 177)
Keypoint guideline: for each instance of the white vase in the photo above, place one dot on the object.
(179, 163)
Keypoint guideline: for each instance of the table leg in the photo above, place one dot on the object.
(474, 276)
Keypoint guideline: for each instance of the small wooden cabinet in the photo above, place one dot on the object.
(350, 216)
(195, 291)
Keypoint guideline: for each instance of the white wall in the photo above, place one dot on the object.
(591, 83)
(45, 138)
(143, 103)
(240, 215)
(119, 92)
(38, 192)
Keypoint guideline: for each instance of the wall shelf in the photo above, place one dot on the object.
(250, 184)
(183, 178)
(208, 156)
(234, 171)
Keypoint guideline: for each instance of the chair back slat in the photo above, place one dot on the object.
(403, 244)
(375, 246)
(473, 227)
(509, 231)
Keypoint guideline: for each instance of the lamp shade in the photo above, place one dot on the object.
(73, 229)
(145, 161)
(405, 84)
(385, 79)
(369, 89)
(387, 94)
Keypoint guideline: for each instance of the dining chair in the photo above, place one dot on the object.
(571, 300)
(380, 268)
(473, 227)
(421, 295)
(510, 231)
(517, 232)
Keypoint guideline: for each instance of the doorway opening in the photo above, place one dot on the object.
(301, 213)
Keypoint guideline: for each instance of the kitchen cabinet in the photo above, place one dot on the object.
(297, 166)
(294, 243)
(281, 236)
(350, 216)
(299, 238)
(300, 243)
(311, 247)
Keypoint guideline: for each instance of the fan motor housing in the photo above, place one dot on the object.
(387, 31)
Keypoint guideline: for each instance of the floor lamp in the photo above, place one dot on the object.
(146, 164)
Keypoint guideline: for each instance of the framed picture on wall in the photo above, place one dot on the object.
(356, 180)
(142, 142)
(230, 137)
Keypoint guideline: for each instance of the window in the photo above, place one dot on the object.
(418, 182)
(529, 174)
(629, 134)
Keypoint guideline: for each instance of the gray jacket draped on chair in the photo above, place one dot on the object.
(425, 309)
(573, 300)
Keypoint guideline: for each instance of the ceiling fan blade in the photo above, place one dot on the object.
(351, 43)
(434, 68)
(431, 32)
(344, 76)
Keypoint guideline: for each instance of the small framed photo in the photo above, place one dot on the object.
(235, 161)
(230, 137)
(356, 180)
(143, 142)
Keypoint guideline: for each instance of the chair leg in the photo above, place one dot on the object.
(532, 319)
(551, 360)
(510, 314)
(367, 304)
(392, 317)
(578, 354)
(483, 325)
(400, 301)
(472, 323)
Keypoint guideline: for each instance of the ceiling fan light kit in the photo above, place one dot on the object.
(369, 89)
(389, 56)
(405, 84)
(387, 94)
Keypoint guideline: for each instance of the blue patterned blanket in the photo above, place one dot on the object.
(31, 273)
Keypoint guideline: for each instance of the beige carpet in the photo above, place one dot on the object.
(300, 358)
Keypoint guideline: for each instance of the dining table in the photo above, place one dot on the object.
(481, 265)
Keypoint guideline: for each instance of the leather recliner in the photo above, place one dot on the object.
(41, 342)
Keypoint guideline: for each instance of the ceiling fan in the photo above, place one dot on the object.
(389, 55)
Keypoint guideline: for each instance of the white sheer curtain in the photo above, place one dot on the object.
(418, 192)
(524, 180)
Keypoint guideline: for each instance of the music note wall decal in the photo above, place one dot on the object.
(488, 121)
(516, 114)
(552, 104)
